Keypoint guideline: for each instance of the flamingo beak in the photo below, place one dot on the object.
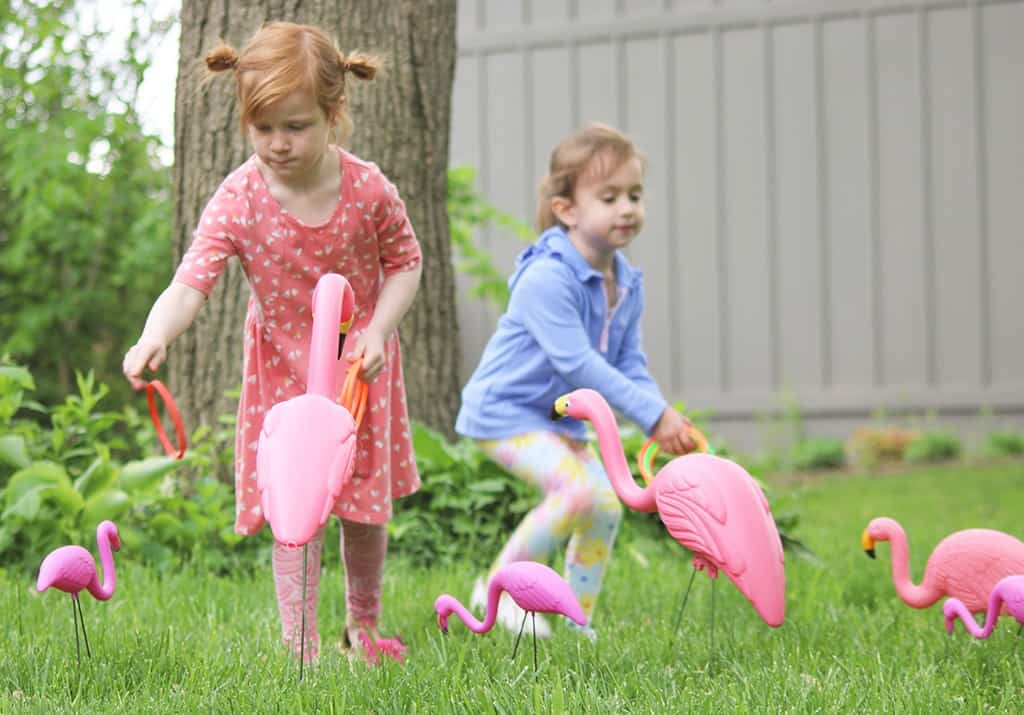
(559, 409)
(868, 543)
(346, 325)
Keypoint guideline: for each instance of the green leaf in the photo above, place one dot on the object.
(431, 447)
(143, 474)
(488, 486)
(27, 504)
(19, 375)
(109, 504)
(97, 476)
(34, 476)
(165, 524)
(66, 497)
(13, 451)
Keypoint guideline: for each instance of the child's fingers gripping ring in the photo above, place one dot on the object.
(354, 392)
(153, 387)
(645, 457)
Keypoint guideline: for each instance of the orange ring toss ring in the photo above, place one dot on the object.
(154, 386)
(645, 457)
(354, 392)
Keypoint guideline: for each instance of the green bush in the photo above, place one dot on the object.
(466, 508)
(1004, 444)
(818, 453)
(58, 483)
(933, 447)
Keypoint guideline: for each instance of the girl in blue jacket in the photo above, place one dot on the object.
(573, 321)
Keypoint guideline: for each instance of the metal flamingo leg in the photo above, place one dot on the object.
(714, 582)
(302, 633)
(74, 619)
(81, 619)
(533, 621)
(686, 595)
(515, 648)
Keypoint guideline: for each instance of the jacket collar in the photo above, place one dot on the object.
(557, 243)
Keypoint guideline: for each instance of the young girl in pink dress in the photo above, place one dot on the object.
(298, 208)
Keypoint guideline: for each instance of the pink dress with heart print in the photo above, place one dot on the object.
(366, 239)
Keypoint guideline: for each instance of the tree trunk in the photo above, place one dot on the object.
(402, 123)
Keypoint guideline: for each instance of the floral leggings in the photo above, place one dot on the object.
(579, 505)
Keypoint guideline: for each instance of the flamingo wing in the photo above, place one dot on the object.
(692, 510)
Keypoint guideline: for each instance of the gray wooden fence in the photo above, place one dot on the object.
(835, 188)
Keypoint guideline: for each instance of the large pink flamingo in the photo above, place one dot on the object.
(306, 451)
(536, 588)
(1008, 594)
(71, 568)
(709, 504)
(966, 564)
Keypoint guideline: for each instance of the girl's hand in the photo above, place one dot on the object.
(145, 353)
(369, 346)
(672, 432)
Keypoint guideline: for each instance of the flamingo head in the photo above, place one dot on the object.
(949, 611)
(880, 529)
(109, 531)
(443, 607)
(575, 404)
(348, 315)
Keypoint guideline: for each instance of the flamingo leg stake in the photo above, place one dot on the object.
(682, 605)
(522, 626)
(78, 646)
(302, 633)
(533, 618)
(81, 619)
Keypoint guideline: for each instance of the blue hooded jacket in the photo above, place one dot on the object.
(555, 337)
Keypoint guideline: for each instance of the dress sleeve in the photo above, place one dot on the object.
(214, 242)
(399, 249)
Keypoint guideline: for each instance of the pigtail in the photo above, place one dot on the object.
(221, 59)
(361, 65)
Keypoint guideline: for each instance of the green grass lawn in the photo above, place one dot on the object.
(189, 642)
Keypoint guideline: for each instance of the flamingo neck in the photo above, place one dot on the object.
(916, 596)
(614, 458)
(960, 611)
(103, 592)
(995, 605)
(448, 605)
(323, 345)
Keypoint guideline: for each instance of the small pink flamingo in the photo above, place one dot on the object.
(536, 588)
(1009, 593)
(71, 568)
(966, 564)
(709, 504)
(306, 450)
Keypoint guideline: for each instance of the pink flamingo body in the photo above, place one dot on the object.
(966, 564)
(1007, 596)
(306, 449)
(709, 504)
(536, 588)
(72, 568)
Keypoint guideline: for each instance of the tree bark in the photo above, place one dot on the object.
(401, 123)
